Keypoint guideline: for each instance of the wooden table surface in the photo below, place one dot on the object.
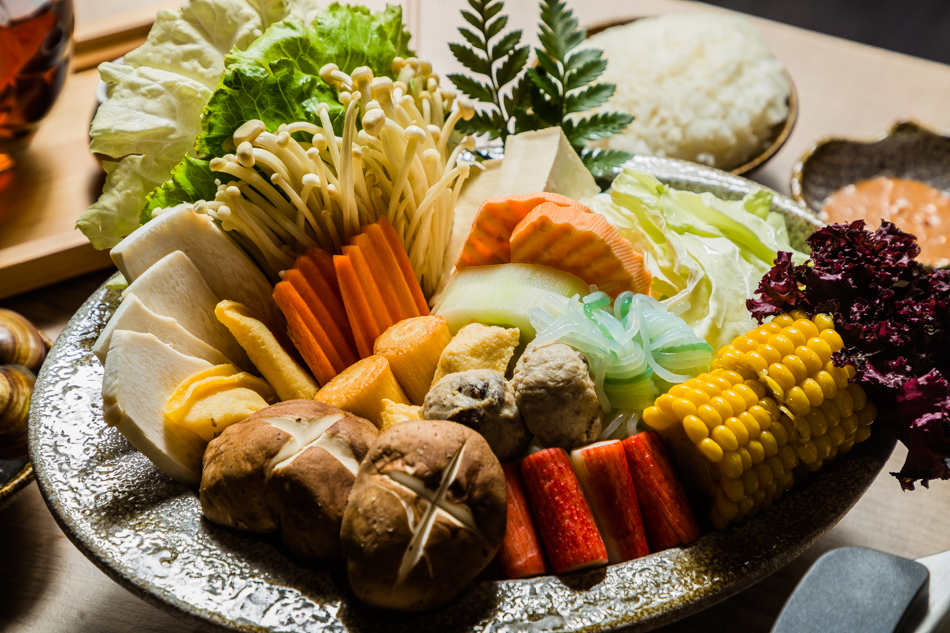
(46, 585)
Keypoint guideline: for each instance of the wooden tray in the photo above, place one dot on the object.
(57, 178)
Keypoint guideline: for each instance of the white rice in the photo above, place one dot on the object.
(701, 86)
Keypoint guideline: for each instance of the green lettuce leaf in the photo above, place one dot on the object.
(191, 179)
(156, 95)
(277, 78)
(704, 252)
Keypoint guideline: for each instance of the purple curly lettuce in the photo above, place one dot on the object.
(893, 315)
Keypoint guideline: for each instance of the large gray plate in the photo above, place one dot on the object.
(147, 532)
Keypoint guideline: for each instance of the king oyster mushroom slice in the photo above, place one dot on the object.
(427, 513)
(289, 467)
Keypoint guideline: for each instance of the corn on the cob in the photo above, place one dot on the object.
(772, 407)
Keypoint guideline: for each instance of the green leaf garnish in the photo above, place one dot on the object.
(517, 98)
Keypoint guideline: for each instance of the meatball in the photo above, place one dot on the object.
(482, 400)
(556, 396)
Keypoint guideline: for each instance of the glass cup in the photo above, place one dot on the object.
(35, 46)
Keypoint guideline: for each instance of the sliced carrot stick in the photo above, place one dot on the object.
(581, 243)
(316, 265)
(402, 259)
(362, 321)
(391, 285)
(370, 288)
(305, 332)
(343, 351)
(487, 242)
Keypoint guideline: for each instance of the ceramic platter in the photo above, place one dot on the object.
(148, 533)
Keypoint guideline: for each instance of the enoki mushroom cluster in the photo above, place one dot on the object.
(401, 163)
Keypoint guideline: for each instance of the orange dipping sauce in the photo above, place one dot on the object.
(910, 204)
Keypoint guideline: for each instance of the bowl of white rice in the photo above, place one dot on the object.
(702, 87)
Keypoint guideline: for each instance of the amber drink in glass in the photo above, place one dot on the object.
(35, 45)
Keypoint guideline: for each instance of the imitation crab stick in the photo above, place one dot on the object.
(520, 555)
(581, 243)
(487, 243)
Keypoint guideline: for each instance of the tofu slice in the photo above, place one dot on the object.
(543, 161)
(141, 374)
(132, 315)
(173, 287)
(226, 268)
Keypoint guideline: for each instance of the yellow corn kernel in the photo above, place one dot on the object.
(665, 404)
(760, 334)
(783, 344)
(726, 507)
(709, 415)
(867, 414)
(840, 374)
(810, 359)
(769, 353)
(727, 360)
(698, 396)
(771, 406)
(756, 451)
(736, 402)
(722, 407)
(754, 362)
(832, 338)
(820, 347)
(711, 450)
(748, 395)
(802, 429)
(751, 425)
(797, 401)
(788, 456)
(738, 430)
(706, 386)
(852, 372)
(807, 327)
(782, 375)
(733, 489)
(654, 417)
(849, 425)
(743, 344)
(823, 444)
(813, 391)
(764, 474)
(731, 465)
(857, 395)
(769, 444)
(786, 481)
(794, 335)
(807, 452)
(845, 403)
(830, 411)
(725, 438)
(680, 391)
(846, 446)
(775, 465)
(796, 366)
(682, 408)
(750, 481)
(760, 497)
(824, 321)
(783, 320)
(837, 435)
(733, 377)
(746, 458)
(695, 429)
(780, 433)
(827, 384)
(745, 506)
(719, 382)
(862, 434)
(817, 422)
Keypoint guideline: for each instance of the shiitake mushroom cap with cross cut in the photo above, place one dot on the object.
(427, 513)
(288, 467)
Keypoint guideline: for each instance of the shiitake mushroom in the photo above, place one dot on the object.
(22, 351)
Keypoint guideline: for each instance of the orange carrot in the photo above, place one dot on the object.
(342, 354)
(402, 259)
(305, 332)
(316, 265)
(585, 244)
(391, 285)
(487, 242)
(362, 321)
(370, 288)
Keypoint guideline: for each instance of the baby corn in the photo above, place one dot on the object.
(772, 408)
